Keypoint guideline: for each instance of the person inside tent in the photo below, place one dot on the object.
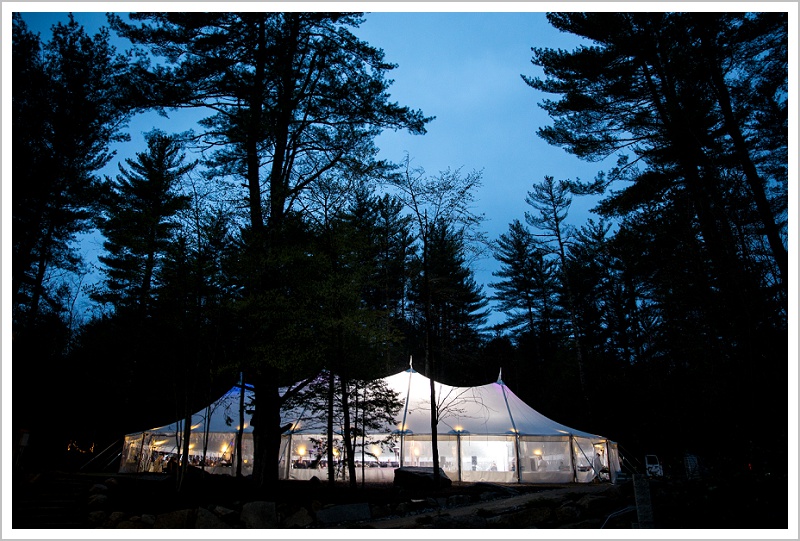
(598, 465)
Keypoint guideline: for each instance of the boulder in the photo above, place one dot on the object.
(181, 519)
(299, 519)
(98, 488)
(98, 518)
(419, 478)
(114, 519)
(259, 515)
(223, 512)
(97, 501)
(206, 520)
(380, 511)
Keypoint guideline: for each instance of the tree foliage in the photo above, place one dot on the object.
(67, 110)
(138, 222)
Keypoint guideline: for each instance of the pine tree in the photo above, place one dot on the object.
(139, 213)
(67, 109)
(527, 291)
(297, 92)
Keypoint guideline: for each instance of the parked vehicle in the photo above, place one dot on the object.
(653, 466)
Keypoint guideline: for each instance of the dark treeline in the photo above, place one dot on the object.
(271, 242)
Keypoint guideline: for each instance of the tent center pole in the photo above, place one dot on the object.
(458, 454)
(288, 455)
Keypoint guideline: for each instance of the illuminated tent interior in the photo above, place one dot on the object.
(213, 436)
(484, 432)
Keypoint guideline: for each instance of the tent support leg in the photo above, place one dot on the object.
(572, 459)
(458, 454)
(402, 447)
(288, 455)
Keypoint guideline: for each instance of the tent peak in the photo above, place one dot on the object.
(500, 377)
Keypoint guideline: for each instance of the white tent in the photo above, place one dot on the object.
(213, 439)
(484, 433)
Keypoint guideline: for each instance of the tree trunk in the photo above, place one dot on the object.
(754, 182)
(331, 465)
(429, 364)
(348, 442)
(240, 431)
(266, 423)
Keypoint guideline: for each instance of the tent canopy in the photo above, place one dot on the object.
(222, 415)
(491, 409)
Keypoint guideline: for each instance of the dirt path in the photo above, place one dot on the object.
(489, 507)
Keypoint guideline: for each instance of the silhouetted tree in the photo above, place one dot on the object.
(698, 261)
(139, 217)
(551, 200)
(67, 109)
(296, 91)
(528, 292)
(458, 309)
(433, 202)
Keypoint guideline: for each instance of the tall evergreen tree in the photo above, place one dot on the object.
(68, 107)
(295, 91)
(527, 291)
(701, 245)
(384, 246)
(551, 200)
(660, 86)
(457, 305)
(138, 221)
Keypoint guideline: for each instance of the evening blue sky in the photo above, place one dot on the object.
(457, 63)
(464, 68)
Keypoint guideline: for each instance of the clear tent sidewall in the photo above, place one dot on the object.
(149, 451)
(463, 457)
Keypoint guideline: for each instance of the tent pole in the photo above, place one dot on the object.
(288, 455)
(405, 413)
(572, 458)
(141, 454)
(402, 445)
(458, 453)
(513, 427)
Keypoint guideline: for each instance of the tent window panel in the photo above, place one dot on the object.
(377, 452)
(487, 453)
(487, 459)
(309, 451)
(585, 452)
(130, 454)
(540, 456)
(418, 451)
(448, 455)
